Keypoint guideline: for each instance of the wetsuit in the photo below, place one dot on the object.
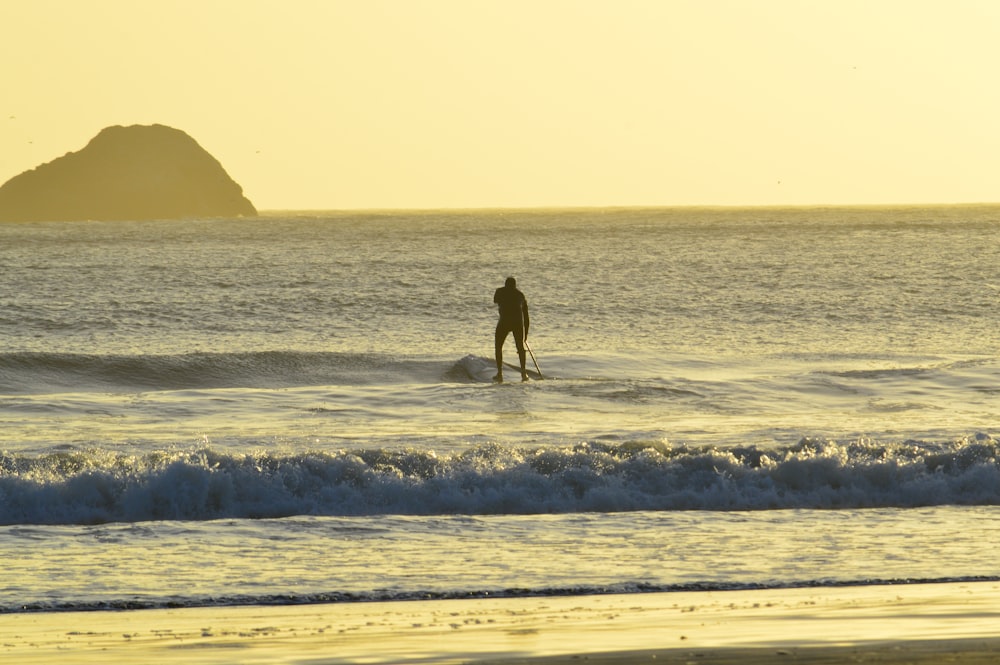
(513, 320)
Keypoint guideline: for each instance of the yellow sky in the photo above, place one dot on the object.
(316, 104)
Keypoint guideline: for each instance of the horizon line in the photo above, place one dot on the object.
(687, 206)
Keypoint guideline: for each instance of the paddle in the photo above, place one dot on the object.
(533, 359)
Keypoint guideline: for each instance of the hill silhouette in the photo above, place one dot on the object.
(136, 172)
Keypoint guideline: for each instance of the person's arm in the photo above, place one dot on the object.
(524, 313)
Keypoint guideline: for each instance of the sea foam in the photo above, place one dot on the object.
(75, 487)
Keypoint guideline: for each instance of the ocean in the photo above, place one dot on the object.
(289, 409)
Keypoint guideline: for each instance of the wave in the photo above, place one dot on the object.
(388, 595)
(76, 487)
(26, 373)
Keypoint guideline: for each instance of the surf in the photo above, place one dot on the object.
(88, 487)
(35, 372)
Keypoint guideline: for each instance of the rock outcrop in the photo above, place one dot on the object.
(137, 172)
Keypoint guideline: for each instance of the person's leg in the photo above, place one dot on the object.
(519, 342)
(500, 337)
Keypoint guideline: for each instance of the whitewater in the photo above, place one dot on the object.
(290, 409)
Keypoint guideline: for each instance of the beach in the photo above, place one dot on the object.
(912, 623)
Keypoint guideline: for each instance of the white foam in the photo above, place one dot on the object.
(490, 479)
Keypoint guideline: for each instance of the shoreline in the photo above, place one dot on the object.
(931, 652)
(918, 623)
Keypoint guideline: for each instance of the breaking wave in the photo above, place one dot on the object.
(75, 487)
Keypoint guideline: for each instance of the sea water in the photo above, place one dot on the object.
(284, 409)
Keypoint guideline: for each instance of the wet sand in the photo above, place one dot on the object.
(937, 623)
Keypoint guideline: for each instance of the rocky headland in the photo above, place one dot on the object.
(139, 172)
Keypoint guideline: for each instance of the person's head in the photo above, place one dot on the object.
(510, 283)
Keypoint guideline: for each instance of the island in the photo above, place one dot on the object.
(140, 172)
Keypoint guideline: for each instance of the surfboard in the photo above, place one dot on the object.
(484, 369)
(532, 374)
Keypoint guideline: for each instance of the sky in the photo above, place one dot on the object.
(351, 104)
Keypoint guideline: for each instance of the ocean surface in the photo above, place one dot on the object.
(291, 409)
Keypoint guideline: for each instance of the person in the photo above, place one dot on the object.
(513, 321)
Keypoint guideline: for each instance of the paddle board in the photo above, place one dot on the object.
(532, 374)
(484, 369)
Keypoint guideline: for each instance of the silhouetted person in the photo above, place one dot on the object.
(513, 320)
